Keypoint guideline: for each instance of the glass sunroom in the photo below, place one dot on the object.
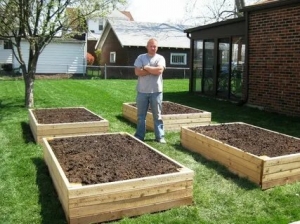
(218, 59)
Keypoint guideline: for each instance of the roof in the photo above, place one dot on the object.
(122, 15)
(114, 15)
(266, 1)
(261, 5)
(133, 33)
(269, 4)
(128, 14)
(216, 24)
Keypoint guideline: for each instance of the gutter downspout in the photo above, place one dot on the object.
(245, 98)
(85, 54)
(191, 63)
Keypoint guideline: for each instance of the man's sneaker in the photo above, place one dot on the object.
(162, 140)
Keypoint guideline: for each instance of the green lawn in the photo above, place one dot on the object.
(27, 192)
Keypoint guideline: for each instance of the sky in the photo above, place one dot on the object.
(157, 10)
(162, 10)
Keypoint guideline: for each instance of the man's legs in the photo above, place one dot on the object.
(156, 108)
(142, 101)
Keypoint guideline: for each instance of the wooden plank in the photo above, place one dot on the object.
(127, 185)
(59, 179)
(218, 153)
(201, 139)
(107, 216)
(64, 131)
(186, 116)
(104, 197)
(235, 164)
(32, 121)
(58, 126)
(40, 137)
(134, 203)
(281, 181)
(186, 121)
(281, 167)
(280, 175)
(177, 127)
(282, 160)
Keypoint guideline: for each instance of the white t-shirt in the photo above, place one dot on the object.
(150, 83)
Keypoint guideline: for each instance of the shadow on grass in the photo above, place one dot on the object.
(8, 108)
(220, 169)
(124, 120)
(26, 132)
(51, 209)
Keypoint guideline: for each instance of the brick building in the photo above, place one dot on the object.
(253, 59)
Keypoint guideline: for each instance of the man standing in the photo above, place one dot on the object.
(149, 68)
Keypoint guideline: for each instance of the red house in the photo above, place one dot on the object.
(253, 59)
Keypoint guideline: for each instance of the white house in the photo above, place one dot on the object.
(63, 56)
(59, 56)
(96, 25)
(5, 53)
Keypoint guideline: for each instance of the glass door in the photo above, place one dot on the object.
(197, 66)
(224, 67)
(237, 68)
(208, 68)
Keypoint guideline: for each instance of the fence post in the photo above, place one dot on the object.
(105, 71)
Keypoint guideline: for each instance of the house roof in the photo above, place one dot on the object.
(132, 33)
(128, 14)
(261, 5)
(265, 1)
(122, 15)
(114, 15)
(268, 4)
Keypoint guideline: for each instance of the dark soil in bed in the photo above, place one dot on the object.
(252, 139)
(91, 160)
(108, 158)
(64, 115)
(174, 108)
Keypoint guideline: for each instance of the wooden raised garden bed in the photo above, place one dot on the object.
(50, 122)
(262, 168)
(174, 116)
(112, 200)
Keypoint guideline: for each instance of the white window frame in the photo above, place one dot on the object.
(112, 57)
(7, 45)
(177, 56)
(100, 25)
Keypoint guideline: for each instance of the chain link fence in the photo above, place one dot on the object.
(97, 72)
(127, 72)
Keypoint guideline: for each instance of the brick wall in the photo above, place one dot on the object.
(274, 59)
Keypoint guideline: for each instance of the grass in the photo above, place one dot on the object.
(27, 192)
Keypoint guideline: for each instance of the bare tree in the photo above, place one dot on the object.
(214, 11)
(38, 22)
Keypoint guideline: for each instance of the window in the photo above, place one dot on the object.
(7, 44)
(100, 24)
(112, 57)
(178, 59)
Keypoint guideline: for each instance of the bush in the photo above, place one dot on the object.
(7, 67)
(98, 56)
(90, 59)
